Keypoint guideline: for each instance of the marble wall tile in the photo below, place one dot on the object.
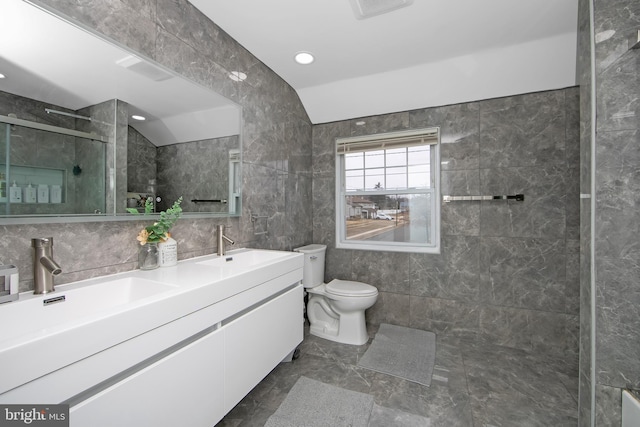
(618, 194)
(445, 316)
(460, 218)
(524, 130)
(616, 221)
(617, 322)
(190, 63)
(507, 327)
(141, 163)
(541, 214)
(614, 21)
(379, 124)
(608, 406)
(572, 203)
(526, 273)
(556, 334)
(459, 133)
(324, 136)
(454, 273)
(390, 308)
(387, 271)
(618, 88)
(572, 127)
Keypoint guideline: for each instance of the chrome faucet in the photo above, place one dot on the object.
(44, 267)
(221, 240)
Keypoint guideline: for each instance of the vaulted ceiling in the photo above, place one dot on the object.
(425, 53)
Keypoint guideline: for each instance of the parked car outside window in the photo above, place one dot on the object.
(382, 215)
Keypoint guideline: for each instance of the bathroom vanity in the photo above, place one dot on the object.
(173, 346)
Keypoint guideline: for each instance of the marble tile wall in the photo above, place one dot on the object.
(195, 170)
(276, 138)
(617, 194)
(141, 163)
(94, 182)
(508, 272)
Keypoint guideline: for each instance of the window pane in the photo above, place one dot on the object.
(396, 157)
(354, 161)
(419, 155)
(403, 218)
(396, 178)
(374, 159)
(374, 179)
(419, 177)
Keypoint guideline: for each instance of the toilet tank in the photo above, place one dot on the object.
(313, 270)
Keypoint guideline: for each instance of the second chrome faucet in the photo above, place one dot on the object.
(44, 267)
(221, 239)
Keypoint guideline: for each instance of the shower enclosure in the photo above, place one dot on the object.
(50, 170)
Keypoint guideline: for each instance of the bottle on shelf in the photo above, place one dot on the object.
(43, 193)
(15, 193)
(30, 194)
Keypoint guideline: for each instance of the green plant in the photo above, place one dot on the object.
(158, 231)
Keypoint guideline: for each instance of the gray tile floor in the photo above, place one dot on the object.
(474, 384)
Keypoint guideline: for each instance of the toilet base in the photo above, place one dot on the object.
(350, 329)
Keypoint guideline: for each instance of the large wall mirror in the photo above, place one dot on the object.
(71, 140)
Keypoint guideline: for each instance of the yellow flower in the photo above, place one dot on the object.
(143, 236)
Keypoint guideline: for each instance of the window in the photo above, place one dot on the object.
(388, 191)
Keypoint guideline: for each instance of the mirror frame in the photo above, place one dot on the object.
(115, 216)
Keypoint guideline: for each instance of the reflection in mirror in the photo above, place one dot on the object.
(188, 145)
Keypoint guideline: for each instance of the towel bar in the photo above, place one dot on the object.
(516, 197)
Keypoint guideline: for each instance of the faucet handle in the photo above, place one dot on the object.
(42, 242)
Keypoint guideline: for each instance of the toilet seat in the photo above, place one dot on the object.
(347, 288)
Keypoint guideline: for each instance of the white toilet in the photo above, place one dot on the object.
(336, 309)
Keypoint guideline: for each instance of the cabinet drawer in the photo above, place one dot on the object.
(184, 388)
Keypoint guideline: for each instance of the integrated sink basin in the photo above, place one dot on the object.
(246, 259)
(70, 303)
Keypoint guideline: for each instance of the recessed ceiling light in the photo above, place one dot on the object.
(137, 117)
(304, 58)
(237, 76)
(2, 76)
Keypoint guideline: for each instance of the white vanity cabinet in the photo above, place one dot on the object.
(197, 384)
(177, 346)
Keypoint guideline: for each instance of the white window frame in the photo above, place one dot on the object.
(341, 193)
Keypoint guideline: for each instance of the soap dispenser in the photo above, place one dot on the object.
(55, 194)
(15, 193)
(43, 193)
(30, 194)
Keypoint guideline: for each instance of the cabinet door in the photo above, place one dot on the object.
(256, 342)
(183, 389)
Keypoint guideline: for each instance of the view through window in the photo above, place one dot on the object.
(388, 185)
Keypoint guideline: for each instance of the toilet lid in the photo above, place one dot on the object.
(347, 288)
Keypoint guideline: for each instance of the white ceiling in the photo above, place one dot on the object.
(429, 53)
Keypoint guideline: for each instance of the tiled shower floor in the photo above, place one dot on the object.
(474, 385)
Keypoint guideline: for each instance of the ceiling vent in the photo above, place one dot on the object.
(368, 8)
(144, 68)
